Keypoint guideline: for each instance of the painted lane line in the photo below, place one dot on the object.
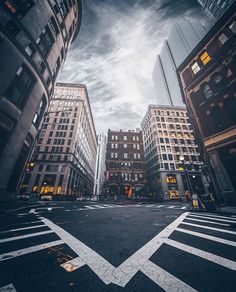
(47, 208)
(214, 216)
(171, 207)
(125, 272)
(99, 206)
(89, 207)
(23, 228)
(206, 221)
(209, 237)
(149, 206)
(215, 219)
(164, 279)
(160, 206)
(8, 288)
(183, 208)
(73, 264)
(210, 228)
(109, 206)
(25, 236)
(24, 251)
(203, 254)
(97, 263)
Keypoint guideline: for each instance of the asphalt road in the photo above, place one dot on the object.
(91, 246)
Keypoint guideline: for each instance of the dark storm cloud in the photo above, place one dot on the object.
(114, 55)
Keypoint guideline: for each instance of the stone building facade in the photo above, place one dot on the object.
(63, 161)
(34, 41)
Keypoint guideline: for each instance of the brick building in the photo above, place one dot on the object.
(208, 77)
(125, 167)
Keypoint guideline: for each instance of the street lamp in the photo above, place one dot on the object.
(189, 185)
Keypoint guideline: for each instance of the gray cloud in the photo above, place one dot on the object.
(114, 56)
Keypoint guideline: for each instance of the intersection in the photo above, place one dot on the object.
(112, 247)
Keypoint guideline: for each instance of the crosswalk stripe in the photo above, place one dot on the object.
(209, 228)
(25, 236)
(206, 221)
(215, 216)
(99, 206)
(203, 254)
(109, 206)
(89, 207)
(24, 251)
(183, 208)
(73, 264)
(148, 206)
(164, 279)
(206, 236)
(23, 228)
(210, 218)
(8, 288)
(171, 207)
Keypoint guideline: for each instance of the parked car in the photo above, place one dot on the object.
(46, 197)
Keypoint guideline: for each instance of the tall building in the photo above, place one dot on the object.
(125, 166)
(168, 135)
(34, 41)
(100, 168)
(215, 8)
(184, 35)
(208, 78)
(63, 162)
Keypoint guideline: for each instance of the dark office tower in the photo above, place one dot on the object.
(125, 167)
(215, 8)
(34, 40)
(208, 77)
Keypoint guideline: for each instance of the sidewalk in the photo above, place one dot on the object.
(228, 210)
(13, 206)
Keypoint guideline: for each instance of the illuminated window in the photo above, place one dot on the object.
(232, 26)
(195, 68)
(205, 58)
(18, 7)
(222, 38)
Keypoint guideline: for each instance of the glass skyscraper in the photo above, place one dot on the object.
(184, 35)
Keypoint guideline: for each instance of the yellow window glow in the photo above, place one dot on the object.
(205, 58)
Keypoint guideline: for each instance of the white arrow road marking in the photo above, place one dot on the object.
(20, 252)
(164, 279)
(8, 288)
(104, 270)
(133, 264)
(203, 254)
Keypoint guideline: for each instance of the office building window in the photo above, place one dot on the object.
(45, 41)
(125, 155)
(30, 50)
(18, 7)
(54, 25)
(40, 111)
(222, 38)
(125, 138)
(205, 58)
(125, 145)
(21, 86)
(195, 68)
(12, 28)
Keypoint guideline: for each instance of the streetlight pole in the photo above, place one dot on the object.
(189, 185)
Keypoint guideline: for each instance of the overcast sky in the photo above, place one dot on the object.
(115, 52)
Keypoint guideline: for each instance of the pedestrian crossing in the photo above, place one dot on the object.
(46, 209)
(181, 235)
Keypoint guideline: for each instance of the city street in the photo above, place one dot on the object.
(98, 246)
